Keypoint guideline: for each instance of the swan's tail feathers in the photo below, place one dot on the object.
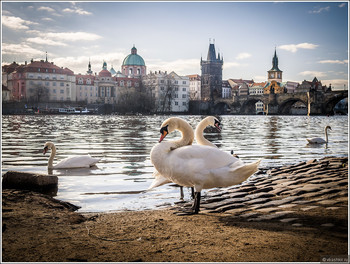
(245, 171)
(158, 181)
(94, 161)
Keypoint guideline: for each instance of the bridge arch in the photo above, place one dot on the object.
(249, 106)
(222, 108)
(285, 108)
(331, 102)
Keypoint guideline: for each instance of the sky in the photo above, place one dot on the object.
(310, 38)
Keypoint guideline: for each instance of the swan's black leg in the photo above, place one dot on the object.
(181, 193)
(192, 193)
(197, 201)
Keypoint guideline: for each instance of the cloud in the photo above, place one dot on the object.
(180, 66)
(19, 49)
(337, 84)
(76, 10)
(294, 47)
(259, 78)
(47, 19)
(318, 10)
(334, 61)
(312, 74)
(72, 36)
(243, 55)
(16, 23)
(342, 5)
(45, 41)
(231, 65)
(46, 8)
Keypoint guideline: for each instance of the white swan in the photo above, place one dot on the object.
(201, 167)
(318, 140)
(201, 140)
(84, 161)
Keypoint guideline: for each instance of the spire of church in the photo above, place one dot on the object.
(89, 71)
(46, 57)
(275, 62)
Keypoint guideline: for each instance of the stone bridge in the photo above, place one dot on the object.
(318, 103)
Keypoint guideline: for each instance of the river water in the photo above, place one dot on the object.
(121, 178)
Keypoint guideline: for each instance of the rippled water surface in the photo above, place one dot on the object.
(121, 178)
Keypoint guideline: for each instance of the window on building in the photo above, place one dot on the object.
(176, 88)
(138, 71)
(54, 91)
(61, 84)
(176, 95)
(183, 82)
(184, 103)
(184, 96)
(62, 91)
(184, 89)
(130, 71)
(176, 103)
(39, 70)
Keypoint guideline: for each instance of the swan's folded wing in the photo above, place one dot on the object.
(85, 161)
(158, 180)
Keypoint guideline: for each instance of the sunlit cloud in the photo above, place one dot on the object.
(44, 41)
(72, 36)
(180, 66)
(47, 19)
(318, 10)
(76, 10)
(19, 49)
(243, 55)
(337, 84)
(231, 65)
(16, 23)
(312, 74)
(46, 8)
(294, 47)
(334, 61)
(342, 5)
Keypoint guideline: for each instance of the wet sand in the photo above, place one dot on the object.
(37, 227)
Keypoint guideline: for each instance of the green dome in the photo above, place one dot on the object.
(134, 59)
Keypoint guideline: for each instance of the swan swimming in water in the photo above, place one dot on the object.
(201, 167)
(83, 161)
(318, 140)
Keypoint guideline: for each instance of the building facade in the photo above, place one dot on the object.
(195, 87)
(226, 90)
(211, 76)
(170, 92)
(41, 81)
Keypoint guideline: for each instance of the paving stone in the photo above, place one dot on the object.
(237, 211)
(273, 215)
(236, 195)
(328, 202)
(229, 207)
(288, 220)
(224, 202)
(333, 208)
(247, 189)
(260, 195)
(309, 208)
(284, 206)
(249, 215)
(265, 189)
(212, 200)
(258, 201)
(267, 210)
(328, 225)
(329, 191)
(297, 225)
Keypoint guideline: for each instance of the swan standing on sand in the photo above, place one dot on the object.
(318, 140)
(201, 167)
(84, 161)
(201, 140)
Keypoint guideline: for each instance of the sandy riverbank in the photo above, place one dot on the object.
(39, 228)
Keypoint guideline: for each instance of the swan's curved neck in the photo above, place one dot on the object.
(52, 156)
(187, 134)
(201, 140)
(325, 131)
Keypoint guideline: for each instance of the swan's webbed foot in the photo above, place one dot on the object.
(195, 207)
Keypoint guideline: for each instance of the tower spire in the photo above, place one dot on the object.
(46, 57)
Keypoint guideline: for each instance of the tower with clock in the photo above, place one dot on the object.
(275, 74)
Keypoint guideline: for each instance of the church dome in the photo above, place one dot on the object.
(133, 59)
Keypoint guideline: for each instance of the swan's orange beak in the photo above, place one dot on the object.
(164, 133)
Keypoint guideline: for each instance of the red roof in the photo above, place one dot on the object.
(104, 73)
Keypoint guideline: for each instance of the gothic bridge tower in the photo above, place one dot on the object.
(275, 74)
(211, 77)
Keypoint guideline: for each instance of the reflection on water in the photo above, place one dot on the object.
(120, 180)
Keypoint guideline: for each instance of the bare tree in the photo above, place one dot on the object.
(39, 94)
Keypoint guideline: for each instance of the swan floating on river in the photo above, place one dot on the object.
(83, 161)
(201, 167)
(318, 140)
